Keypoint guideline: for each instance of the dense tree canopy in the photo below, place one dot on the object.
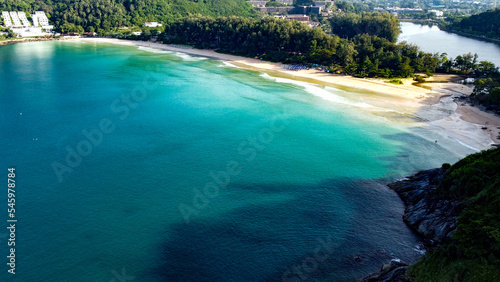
(92, 15)
(382, 25)
(487, 24)
(294, 42)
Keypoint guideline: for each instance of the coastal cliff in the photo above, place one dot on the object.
(456, 210)
(430, 216)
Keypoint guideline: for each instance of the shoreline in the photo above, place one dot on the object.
(33, 39)
(435, 108)
(471, 35)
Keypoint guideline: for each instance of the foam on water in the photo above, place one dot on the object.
(320, 92)
(396, 260)
(465, 145)
(152, 50)
(335, 89)
(186, 57)
(227, 64)
(419, 249)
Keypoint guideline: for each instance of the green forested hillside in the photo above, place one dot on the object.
(473, 254)
(92, 15)
(487, 24)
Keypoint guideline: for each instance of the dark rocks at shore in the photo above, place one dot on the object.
(394, 271)
(430, 216)
(426, 213)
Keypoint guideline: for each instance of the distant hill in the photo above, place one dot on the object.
(487, 24)
(94, 15)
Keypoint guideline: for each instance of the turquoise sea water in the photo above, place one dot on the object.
(137, 137)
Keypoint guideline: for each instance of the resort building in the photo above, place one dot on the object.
(29, 31)
(15, 19)
(21, 26)
(286, 2)
(436, 12)
(272, 10)
(257, 3)
(41, 17)
(23, 18)
(6, 19)
(35, 20)
(300, 18)
(152, 24)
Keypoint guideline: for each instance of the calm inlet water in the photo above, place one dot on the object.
(115, 150)
(432, 39)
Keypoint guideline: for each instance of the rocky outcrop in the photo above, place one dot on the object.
(430, 216)
(394, 271)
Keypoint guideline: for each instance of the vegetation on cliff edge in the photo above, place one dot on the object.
(473, 253)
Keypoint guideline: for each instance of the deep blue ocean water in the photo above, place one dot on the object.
(118, 152)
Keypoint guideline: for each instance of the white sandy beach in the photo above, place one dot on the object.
(468, 126)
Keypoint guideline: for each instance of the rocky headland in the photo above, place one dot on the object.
(430, 216)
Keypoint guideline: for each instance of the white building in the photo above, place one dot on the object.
(42, 18)
(286, 2)
(24, 19)
(436, 12)
(29, 31)
(35, 21)
(152, 24)
(6, 19)
(15, 19)
(21, 26)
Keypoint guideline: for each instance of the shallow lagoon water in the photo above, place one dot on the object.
(432, 39)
